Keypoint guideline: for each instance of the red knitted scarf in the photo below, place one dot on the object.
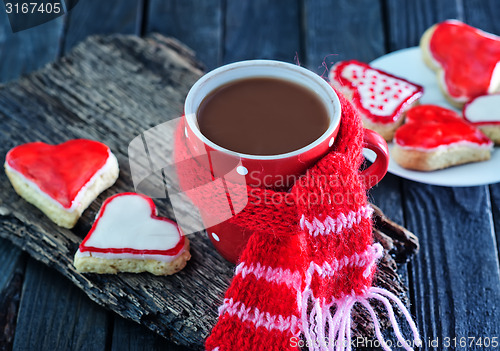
(311, 257)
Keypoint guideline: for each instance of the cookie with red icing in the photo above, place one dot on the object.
(380, 97)
(466, 60)
(434, 137)
(61, 180)
(484, 112)
(129, 236)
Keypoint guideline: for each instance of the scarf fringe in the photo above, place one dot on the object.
(326, 332)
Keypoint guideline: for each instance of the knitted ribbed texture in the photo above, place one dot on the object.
(310, 259)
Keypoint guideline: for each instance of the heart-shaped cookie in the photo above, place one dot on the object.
(380, 97)
(61, 180)
(128, 236)
(484, 113)
(434, 137)
(466, 59)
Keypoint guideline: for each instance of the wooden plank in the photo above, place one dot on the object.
(198, 23)
(261, 29)
(456, 273)
(55, 315)
(27, 50)
(130, 336)
(20, 53)
(93, 93)
(408, 19)
(341, 30)
(495, 209)
(483, 14)
(11, 280)
(91, 17)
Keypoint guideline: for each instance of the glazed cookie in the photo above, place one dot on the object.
(484, 113)
(128, 236)
(466, 60)
(434, 137)
(381, 98)
(61, 180)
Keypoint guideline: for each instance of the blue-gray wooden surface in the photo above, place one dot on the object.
(454, 282)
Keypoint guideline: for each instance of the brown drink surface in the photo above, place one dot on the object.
(262, 116)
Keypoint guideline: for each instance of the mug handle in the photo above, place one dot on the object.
(374, 174)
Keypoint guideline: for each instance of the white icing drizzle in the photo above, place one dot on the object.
(463, 143)
(128, 256)
(126, 223)
(484, 108)
(111, 162)
(380, 94)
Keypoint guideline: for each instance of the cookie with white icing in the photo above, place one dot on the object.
(484, 113)
(434, 137)
(466, 60)
(61, 180)
(380, 97)
(129, 236)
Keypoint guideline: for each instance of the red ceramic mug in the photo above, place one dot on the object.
(269, 170)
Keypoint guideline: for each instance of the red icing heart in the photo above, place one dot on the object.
(379, 95)
(128, 223)
(61, 170)
(430, 126)
(468, 57)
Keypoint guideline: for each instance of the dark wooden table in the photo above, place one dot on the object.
(454, 281)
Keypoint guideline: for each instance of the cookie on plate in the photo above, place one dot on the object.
(434, 137)
(128, 236)
(61, 180)
(466, 60)
(484, 113)
(381, 98)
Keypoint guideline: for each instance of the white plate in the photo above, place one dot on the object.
(407, 63)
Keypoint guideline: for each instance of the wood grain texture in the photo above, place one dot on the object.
(483, 14)
(454, 284)
(406, 20)
(456, 274)
(20, 53)
(495, 211)
(198, 22)
(12, 262)
(341, 30)
(90, 17)
(28, 50)
(112, 89)
(130, 336)
(70, 321)
(261, 29)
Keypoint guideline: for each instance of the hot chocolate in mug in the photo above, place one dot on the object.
(276, 171)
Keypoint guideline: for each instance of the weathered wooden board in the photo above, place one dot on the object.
(112, 89)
